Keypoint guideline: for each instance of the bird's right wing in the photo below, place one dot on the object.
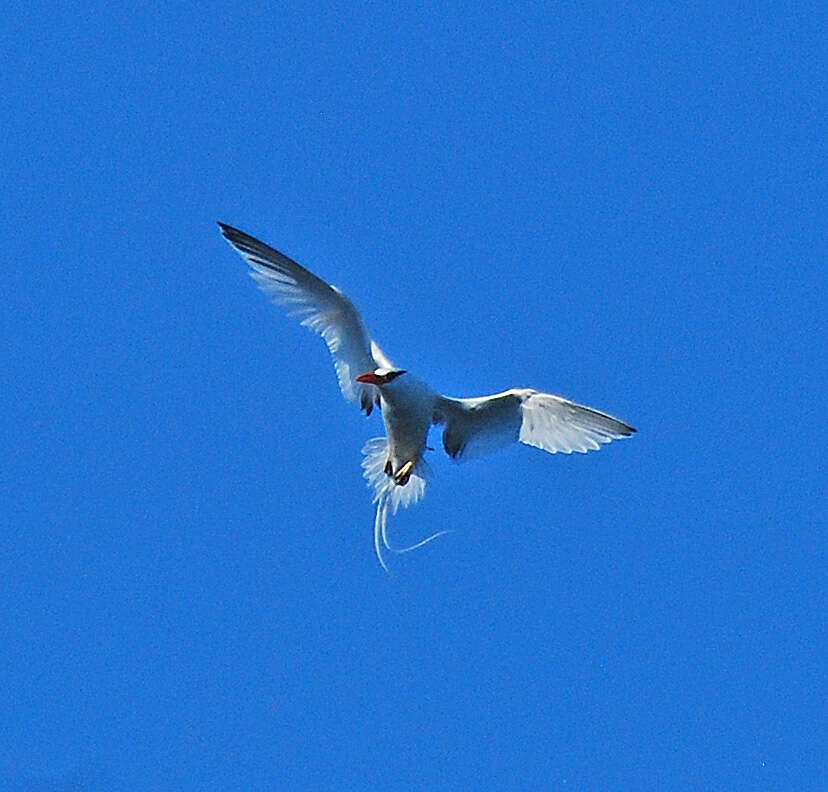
(321, 307)
(481, 426)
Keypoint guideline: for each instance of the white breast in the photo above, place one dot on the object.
(407, 409)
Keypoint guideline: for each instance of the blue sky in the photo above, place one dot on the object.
(623, 204)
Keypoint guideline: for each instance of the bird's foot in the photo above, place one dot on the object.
(389, 468)
(403, 474)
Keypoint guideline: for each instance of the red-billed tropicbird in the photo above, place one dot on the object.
(394, 465)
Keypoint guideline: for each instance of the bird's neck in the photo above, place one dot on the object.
(406, 390)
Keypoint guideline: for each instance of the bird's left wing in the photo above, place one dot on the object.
(320, 306)
(481, 426)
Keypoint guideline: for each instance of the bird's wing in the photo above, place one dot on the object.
(321, 307)
(481, 426)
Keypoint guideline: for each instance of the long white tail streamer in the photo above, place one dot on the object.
(391, 496)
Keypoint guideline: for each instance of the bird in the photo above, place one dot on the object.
(395, 466)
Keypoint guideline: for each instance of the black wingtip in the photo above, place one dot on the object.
(239, 239)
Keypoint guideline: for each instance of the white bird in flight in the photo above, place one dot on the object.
(394, 465)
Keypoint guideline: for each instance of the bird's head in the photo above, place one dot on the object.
(380, 376)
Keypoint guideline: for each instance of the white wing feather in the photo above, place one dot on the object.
(320, 306)
(480, 426)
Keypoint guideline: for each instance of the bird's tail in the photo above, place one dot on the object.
(390, 496)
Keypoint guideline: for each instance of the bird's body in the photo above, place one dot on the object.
(395, 466)
(408, 407)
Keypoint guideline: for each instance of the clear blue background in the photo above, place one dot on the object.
(621, 203)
